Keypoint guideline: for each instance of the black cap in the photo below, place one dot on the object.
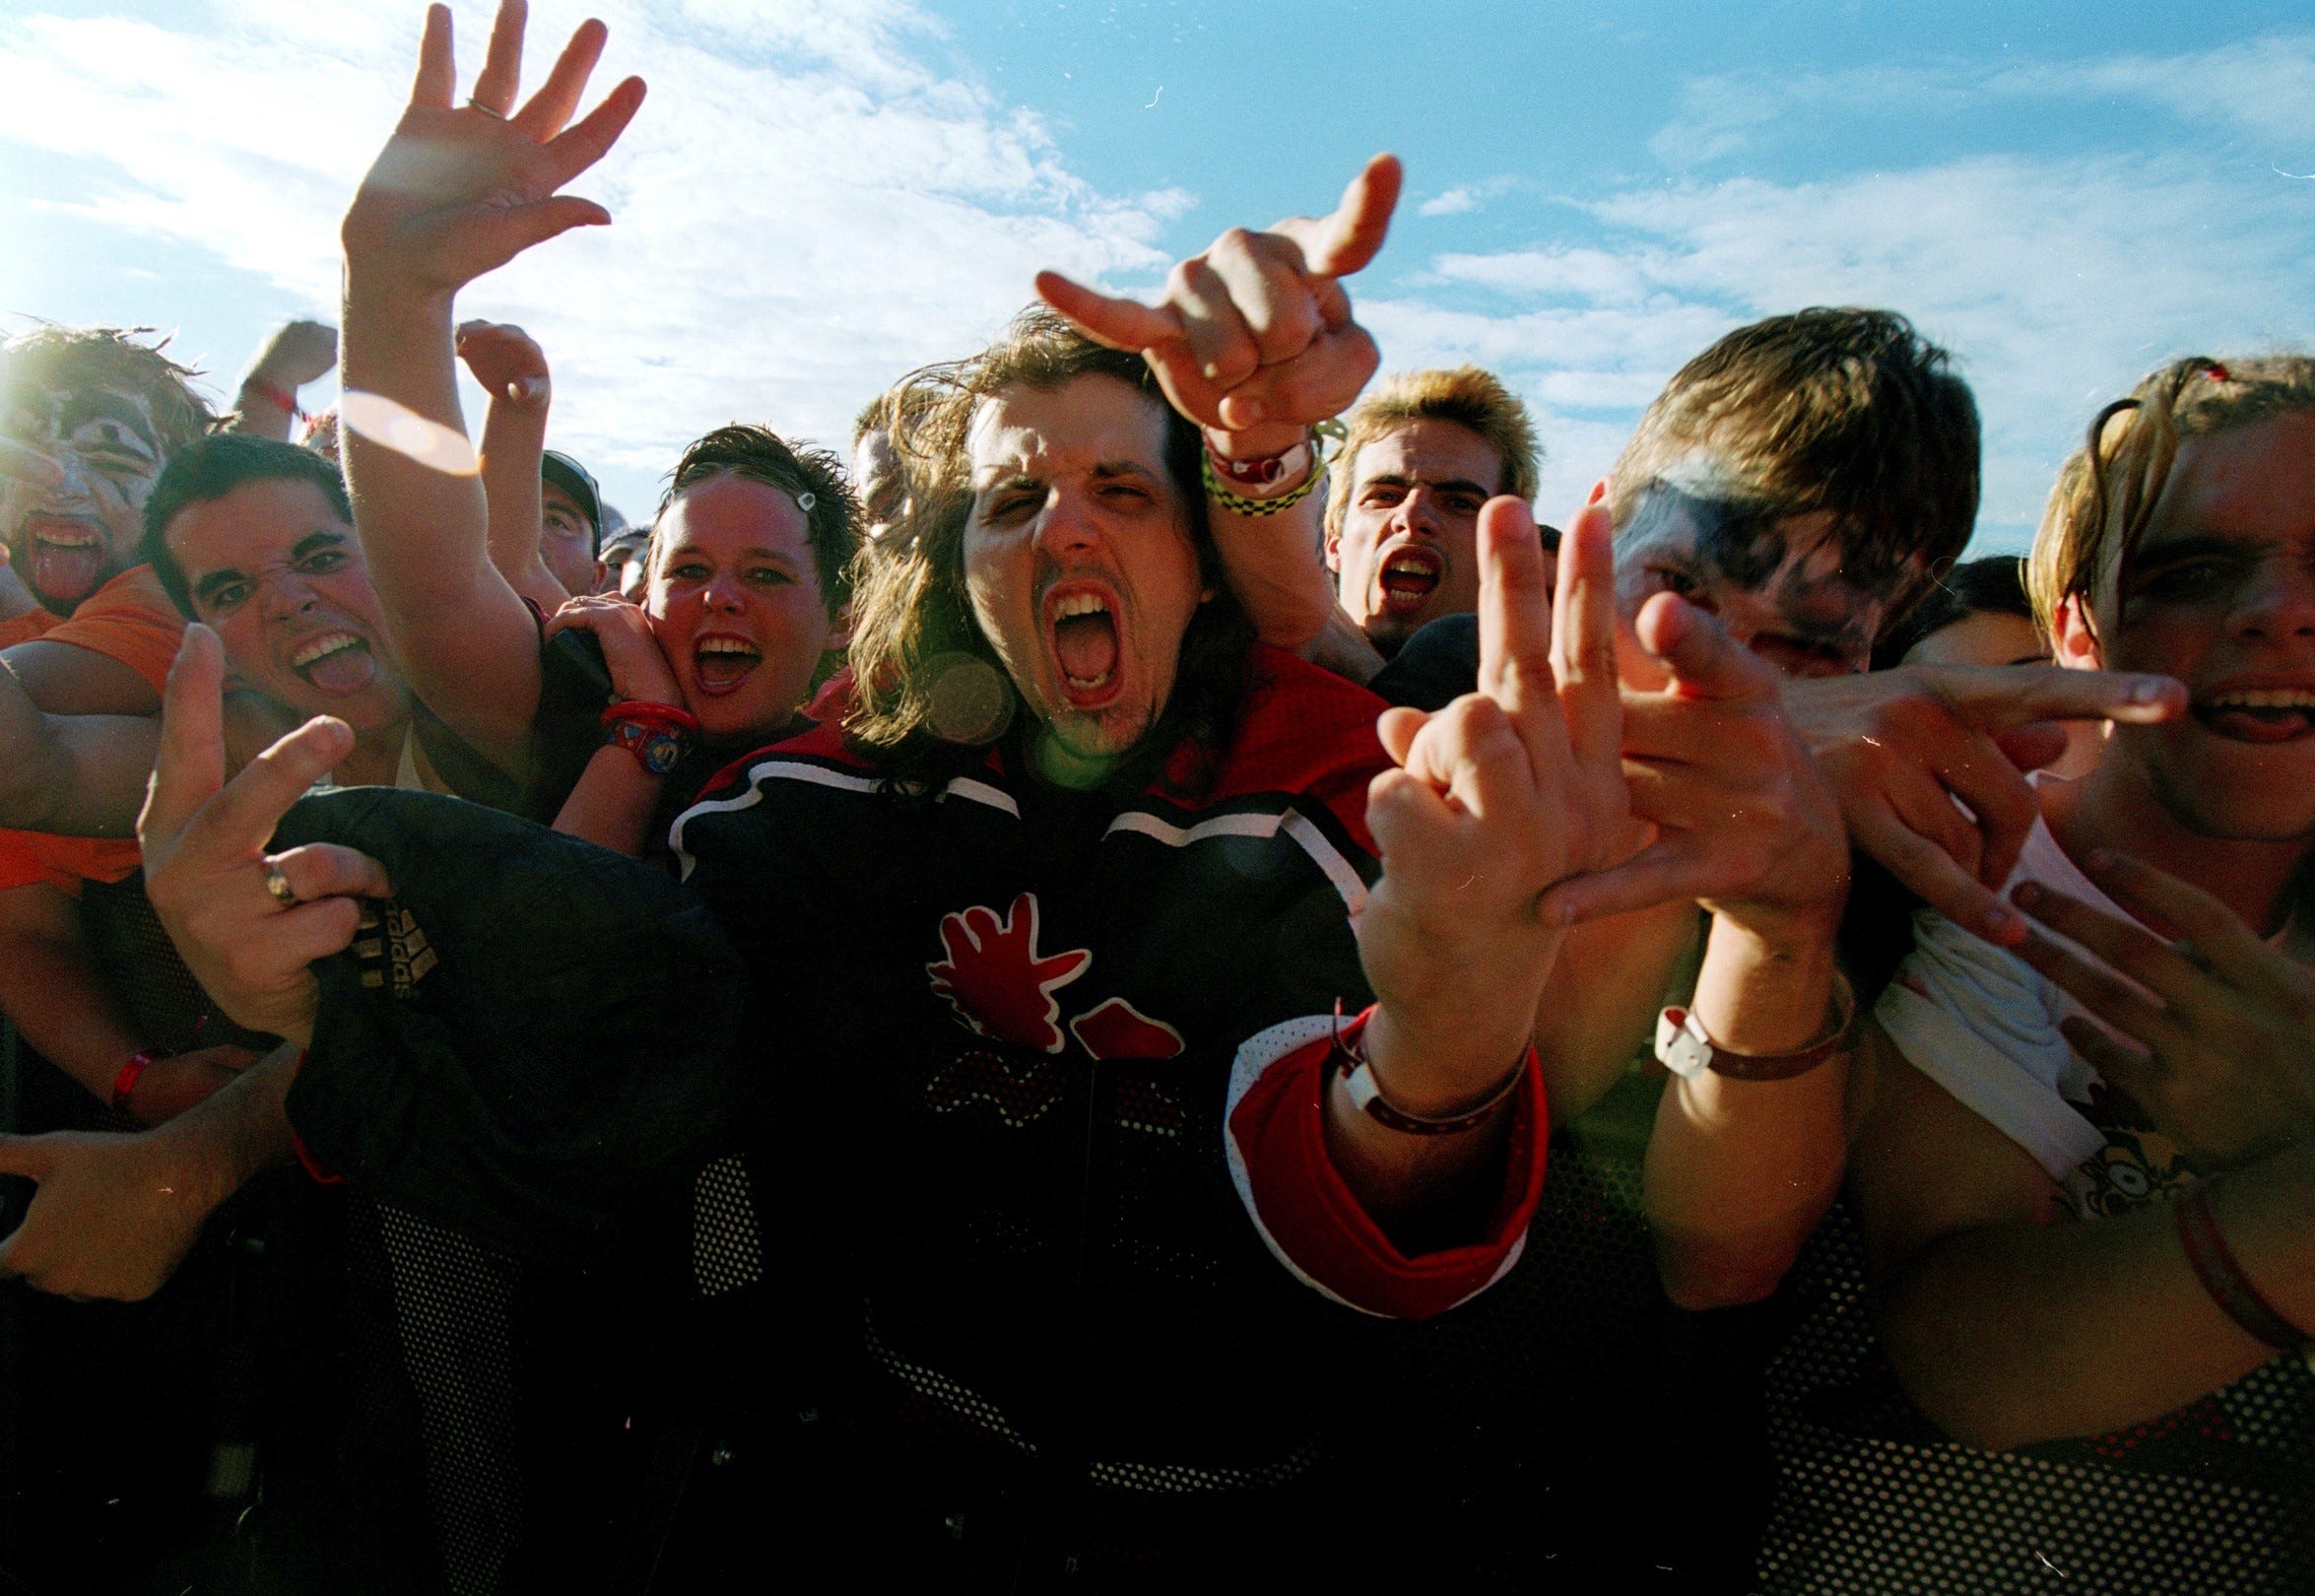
(534, 1045)
(576, 480)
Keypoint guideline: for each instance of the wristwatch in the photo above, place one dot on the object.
(1684, 1047)
(655, 747)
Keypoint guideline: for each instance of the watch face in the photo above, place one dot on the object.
(660, 752)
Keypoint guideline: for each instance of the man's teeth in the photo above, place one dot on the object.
(68, 540)
(724, 645)
(1081, 683)
(1408, 564)
(1077, 604)
(2267, 699)
(329, 643)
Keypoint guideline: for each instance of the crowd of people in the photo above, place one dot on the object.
(1148, 981)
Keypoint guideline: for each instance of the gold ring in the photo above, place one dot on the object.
(279, 885)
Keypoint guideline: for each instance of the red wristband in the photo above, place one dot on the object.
(1261, 471)
(2223, 1278)
(672, 717)
(278, 398)
(124, 1085)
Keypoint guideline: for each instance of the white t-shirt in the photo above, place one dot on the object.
(1983, 1023)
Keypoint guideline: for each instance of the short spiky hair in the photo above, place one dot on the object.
(51, 357)
(1470, 398)
(1842, 410)
(211, 468)
(759, 454)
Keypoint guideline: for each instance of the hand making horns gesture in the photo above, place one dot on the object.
(1254, 337)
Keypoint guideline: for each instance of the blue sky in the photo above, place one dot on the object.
(820, 195)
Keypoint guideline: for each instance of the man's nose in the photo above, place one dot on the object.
(287, 593)
(1066, 524)
(725, 591)
(2279, 604)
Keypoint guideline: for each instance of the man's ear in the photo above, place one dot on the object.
(1334, 551)
(840, 627)
(2074, 640)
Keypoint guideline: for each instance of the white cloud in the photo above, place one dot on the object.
(1454, 202)
(2259, 89)
(802, 211)
(2056, 282)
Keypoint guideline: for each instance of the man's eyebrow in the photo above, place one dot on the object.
(1444, 485)
(325, 539)
(2194, 545)
(100, 405)
(210, 584)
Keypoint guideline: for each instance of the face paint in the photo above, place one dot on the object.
(72, 502)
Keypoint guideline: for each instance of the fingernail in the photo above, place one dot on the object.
(1249, 411)
(2025, 895)
(2101, 859)
(2147, 691)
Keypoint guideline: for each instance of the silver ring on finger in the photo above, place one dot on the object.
(476, 104)
(279, 886)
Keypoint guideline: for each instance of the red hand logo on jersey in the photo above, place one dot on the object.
(995, 980)
(1118, 1030)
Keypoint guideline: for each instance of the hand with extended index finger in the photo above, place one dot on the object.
(1745, 823)
(2224, 1023)
(1254, 336)
(459, 190)
(206, 869)
(1901, 746)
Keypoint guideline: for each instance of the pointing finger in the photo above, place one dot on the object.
(242, 816)
(1997, 697)
(1515, 619)
(1704, 660)
(1106, 318)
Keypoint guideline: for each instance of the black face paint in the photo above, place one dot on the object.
(1736, 539)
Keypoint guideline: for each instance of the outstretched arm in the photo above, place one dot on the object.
(1254, 341)
(459, 190)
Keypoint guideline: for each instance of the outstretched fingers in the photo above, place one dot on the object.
(496, 85)
(1583, 642)
(586, 141)
(558, 99)
(243, 813)
(437, 66)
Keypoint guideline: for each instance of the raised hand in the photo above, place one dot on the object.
(1745, 820)
(1901, 746)
(298, 352)
(1254, 337)
(1499, 796)
(506, 360)
(247, 941)
(2226, 1023)
(460, 191)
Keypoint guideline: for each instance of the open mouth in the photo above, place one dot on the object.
(64, 556)
(721, 663)
(2259, 714)
(335, 662)
(1409, 577)
(1084, 634)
